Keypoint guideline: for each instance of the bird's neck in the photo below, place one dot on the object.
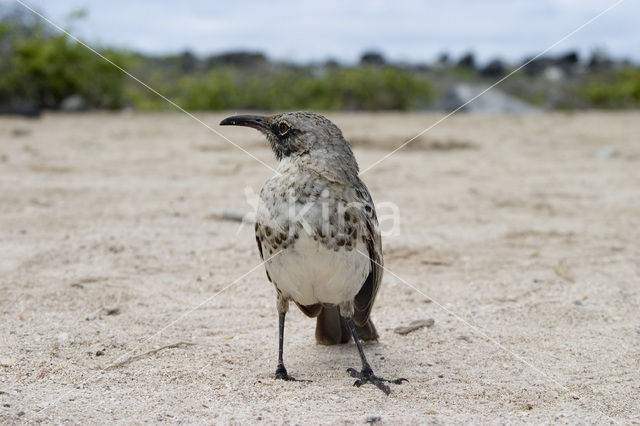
(340, 170)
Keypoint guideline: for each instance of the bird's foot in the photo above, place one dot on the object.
(366, 375)
(281, 374)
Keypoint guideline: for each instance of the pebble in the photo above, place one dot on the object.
(115, 310)
(7, 362)
(117, 343)
(607, 152)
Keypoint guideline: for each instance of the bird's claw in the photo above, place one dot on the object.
(281, 374)
(366, 375)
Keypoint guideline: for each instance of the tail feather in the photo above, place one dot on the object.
(367, 332)
(332, 329)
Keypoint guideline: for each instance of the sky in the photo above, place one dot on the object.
(304, 31)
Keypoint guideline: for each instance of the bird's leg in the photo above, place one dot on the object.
(366, 374)
(281, 371)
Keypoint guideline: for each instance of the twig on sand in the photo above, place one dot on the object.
(414, 325)
(233, 216)
(562, 272)
(151, 352)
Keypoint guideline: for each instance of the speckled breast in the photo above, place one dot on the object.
(314, 233)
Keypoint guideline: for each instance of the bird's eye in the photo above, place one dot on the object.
(284, 128)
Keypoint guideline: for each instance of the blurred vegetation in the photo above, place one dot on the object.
(355, 88)
(43, 69)
(40, 69)
(613, 89)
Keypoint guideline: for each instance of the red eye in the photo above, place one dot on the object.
(284, 128)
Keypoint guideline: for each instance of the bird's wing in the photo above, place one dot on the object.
(366, 296)
(258, 232)
(311, 310)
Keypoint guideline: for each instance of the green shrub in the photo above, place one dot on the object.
(359, 88)
(614, 89)
(45, 68)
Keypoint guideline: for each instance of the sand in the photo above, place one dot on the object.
(518, 236)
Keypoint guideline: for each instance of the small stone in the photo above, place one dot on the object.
(43, 373)
(20, 131)
(117, 343)
(373, 419)
(116, 249)
(607, 152)
(63, 337)
(74, 103)
(112, 311)
(577, 302)
(7, 362)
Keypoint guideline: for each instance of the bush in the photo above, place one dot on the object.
(359, 88)
(44, 68)
(615, 89)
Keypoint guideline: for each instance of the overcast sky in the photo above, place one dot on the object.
(410, 30)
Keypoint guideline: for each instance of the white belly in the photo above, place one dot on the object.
(309, 273)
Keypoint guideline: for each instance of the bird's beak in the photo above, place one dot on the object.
(255, 121)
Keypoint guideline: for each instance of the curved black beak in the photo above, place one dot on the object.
(255, 121)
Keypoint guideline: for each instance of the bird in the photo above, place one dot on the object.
(318, 234)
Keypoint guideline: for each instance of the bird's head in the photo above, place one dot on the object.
(296, 133)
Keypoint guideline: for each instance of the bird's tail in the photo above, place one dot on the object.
(332, 329)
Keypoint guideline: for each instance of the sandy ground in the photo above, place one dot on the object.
(519, 236)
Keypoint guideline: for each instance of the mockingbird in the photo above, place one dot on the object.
(316, 225)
